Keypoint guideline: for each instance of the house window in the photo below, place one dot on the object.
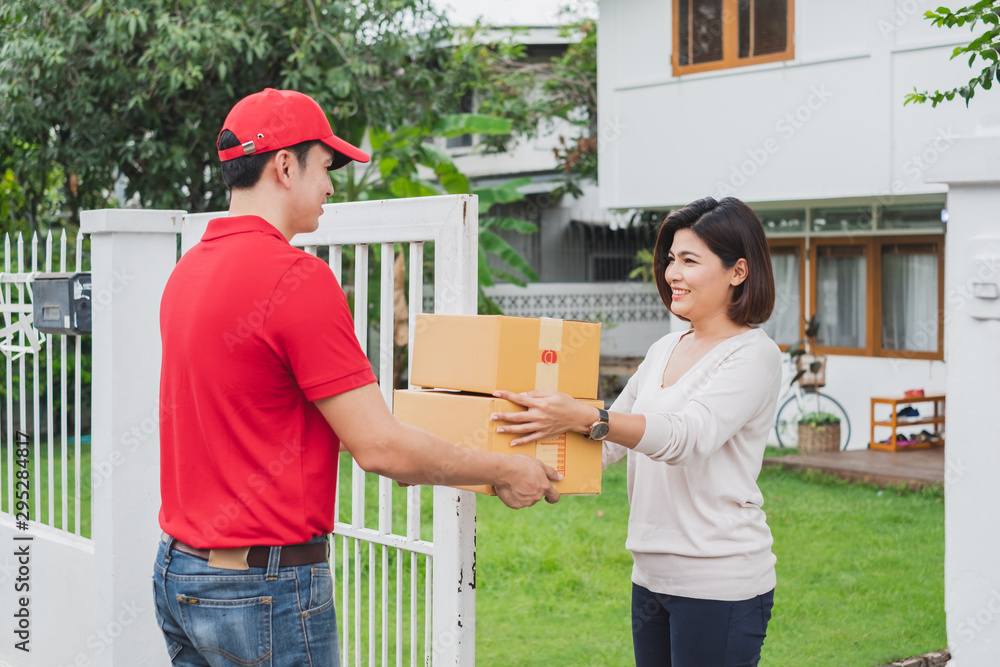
(720, 34)
(910, 297)
(843, 220)
(787, 260)
(462, 141)
(783, 222)
(840, 288)
(878, 295)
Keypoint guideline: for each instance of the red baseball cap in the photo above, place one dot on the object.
(274, 119)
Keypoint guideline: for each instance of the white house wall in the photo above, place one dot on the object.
(828, 124)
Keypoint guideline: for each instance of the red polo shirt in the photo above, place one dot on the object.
(253, 332)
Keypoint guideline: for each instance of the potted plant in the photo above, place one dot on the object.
(819, 431)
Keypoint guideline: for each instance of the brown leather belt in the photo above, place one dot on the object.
(292, 555)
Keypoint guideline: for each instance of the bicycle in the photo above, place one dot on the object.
(802, 395)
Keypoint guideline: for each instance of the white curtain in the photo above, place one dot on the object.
(783, 327)
(910, 302)
(840, 301)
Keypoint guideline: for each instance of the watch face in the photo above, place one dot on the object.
(599, 431)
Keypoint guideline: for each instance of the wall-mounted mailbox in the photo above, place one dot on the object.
(61, 303)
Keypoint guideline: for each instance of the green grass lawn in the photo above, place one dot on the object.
(860, 572)
(860, 576)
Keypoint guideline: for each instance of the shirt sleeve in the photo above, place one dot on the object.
(737, 389)
(612, 451)
(313, 331)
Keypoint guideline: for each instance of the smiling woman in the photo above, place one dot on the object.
(693, 422)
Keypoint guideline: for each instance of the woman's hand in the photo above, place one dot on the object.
(549, 413)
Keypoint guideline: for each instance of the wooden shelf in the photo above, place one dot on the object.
(896, 423)
(904, 422)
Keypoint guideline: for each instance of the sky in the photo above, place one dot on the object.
(505, 12)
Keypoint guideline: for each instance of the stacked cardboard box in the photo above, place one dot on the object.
(475, 355)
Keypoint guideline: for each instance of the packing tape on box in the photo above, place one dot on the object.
(550, 334)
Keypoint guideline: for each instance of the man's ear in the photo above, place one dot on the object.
(283, 167)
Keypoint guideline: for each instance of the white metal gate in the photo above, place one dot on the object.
(44, 485)
(429, 612)
(406, 580)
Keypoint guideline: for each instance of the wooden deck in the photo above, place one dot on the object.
(913, 468)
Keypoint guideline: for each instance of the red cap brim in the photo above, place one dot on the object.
(345, 152)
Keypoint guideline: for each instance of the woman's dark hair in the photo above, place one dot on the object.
(244, 172)
(732, 231)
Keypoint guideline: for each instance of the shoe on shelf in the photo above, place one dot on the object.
(909, 412)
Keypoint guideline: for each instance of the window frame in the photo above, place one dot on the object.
(730, 42)
(872, 245)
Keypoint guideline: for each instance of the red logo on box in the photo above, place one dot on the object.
(549, 357)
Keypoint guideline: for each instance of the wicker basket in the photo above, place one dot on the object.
(815, 439)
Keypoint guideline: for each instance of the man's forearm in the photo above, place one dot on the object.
(414, 456)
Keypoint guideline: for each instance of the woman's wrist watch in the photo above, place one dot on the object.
(599, 429)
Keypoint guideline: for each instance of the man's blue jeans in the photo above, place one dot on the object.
(261, 617)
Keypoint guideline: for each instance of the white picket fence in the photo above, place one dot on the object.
(411, 578)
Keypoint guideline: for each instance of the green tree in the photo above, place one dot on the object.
(405, 164)
(106, 88)
(983, 47)
(497, 70)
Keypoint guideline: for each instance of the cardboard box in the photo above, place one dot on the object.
(464, 419)
(484, 353)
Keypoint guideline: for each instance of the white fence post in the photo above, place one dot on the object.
(132, 255)
(454, 643)
(971, 168)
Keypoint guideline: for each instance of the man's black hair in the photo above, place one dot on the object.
(244, 172)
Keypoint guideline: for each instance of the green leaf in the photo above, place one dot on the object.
(452, 180)
(406, 187)
(514, 224)
(501, 194)
(491, 243)
(378, 137)
(485, 277)
(455, 125)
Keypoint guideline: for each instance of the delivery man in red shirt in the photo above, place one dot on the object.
(262, 381)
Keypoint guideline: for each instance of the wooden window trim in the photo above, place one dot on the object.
(730, 42)
(799, 244)
(873, 293)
